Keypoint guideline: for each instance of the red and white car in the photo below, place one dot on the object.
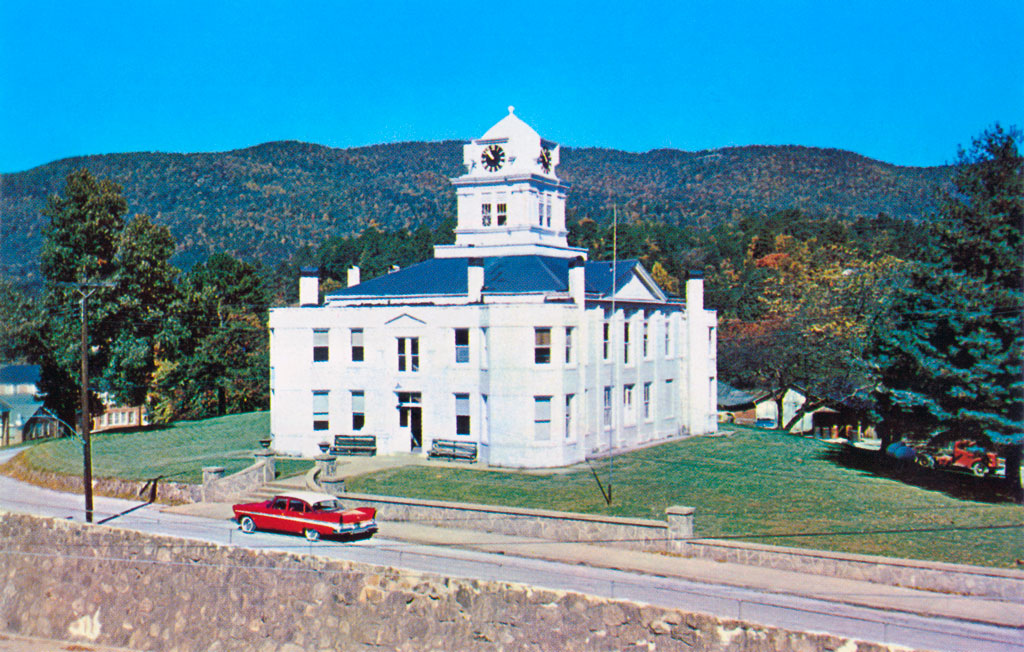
(305, 512)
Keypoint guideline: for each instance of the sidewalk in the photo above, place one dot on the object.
(852, 592)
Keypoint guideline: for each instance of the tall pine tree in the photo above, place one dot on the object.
(951, 363)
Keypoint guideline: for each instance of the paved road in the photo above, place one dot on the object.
(767, 607)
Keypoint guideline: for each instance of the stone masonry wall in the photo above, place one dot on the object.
(69, 581)
(633, 533)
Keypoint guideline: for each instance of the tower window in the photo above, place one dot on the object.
(461, 345)
(485, 214)
(502, 214)
(542, 345)
(549, 212)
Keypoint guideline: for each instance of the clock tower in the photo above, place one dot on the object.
(510, 201)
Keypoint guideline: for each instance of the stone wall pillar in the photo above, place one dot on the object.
(680, 526)
(212, 473)
(266, 457)
(332, 485)
(326, 465)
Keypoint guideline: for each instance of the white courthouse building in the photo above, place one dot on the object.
(509, 338)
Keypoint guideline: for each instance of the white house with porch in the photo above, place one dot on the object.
(509, 339)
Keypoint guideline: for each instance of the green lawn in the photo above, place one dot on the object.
(177, 452)
(755, 486)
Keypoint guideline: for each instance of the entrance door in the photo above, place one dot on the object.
(410, 417)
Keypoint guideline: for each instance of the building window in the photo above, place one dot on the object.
(625, 343)
(568, 344)
(461, 345)
(542, 345)
(502, 214)
(549, 211)
(670, 399)
(485, 214)
(357, 345)
(542, 418)
(647, 401)
(320, 410)
(607, 402)
(540, 211)
(320, 347)
(606, 334)
(462, 414)
(568, 414)
(668, 337)
(358, 409)
(646, 352)
(628, 405)
(408, 354)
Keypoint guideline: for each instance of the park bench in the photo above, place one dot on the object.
(464, 451)
(354, 445)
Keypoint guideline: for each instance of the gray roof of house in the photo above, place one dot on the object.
(730, 397)
(19, 374)
(502, 275)
(23, 405)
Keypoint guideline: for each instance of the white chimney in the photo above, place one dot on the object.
(475, 280)
(694, 292)
(353, 276)
(309, 286)
(577, 280)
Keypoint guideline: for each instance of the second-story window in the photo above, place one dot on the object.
(408, 354)
(320, 347)
(357, 345)
(646, 352)
(605, 336)
(542, 345)
(461, 345)
(502, 214)
(568, 344)
(485, 214)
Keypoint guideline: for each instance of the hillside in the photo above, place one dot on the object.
(263, 202)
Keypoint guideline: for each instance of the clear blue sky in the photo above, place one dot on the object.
(902, 81)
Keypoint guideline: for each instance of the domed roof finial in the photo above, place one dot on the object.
(511, 109)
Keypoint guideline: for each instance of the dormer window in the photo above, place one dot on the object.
(485, 214)
(502, 214)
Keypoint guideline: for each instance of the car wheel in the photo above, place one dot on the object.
(247, 524)
(312, 535)
(979, 469)
(926, 460)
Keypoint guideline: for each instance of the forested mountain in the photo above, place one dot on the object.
(264, 202)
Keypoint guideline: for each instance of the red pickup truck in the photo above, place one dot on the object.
(967, 455)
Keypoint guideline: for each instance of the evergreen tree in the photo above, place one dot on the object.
(951, 361)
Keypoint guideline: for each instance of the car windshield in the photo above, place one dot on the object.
(327, 506)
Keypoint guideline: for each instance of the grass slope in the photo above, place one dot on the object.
(177, 452)
(754, 486)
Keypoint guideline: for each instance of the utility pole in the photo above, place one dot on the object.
(86, 289)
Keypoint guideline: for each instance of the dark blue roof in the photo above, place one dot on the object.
(19, 374)
(502, 274)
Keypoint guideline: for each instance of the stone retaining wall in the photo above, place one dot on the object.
(998, 583)
(632, 533)
(220, 488)
(95, 584)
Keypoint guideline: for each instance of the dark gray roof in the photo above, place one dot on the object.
(19, 374)
(731, 398)
(502, 275)
(23, 405)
